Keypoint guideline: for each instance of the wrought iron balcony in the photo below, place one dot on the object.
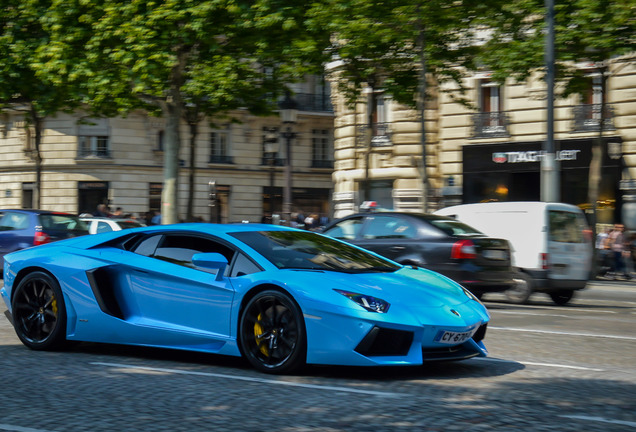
(381, 135)
(321, 164)
(490, 124)
(219, 159)
(587, 117)
(313, 102)
(273, 161)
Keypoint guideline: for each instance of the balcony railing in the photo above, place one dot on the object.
(381, 136)
(587, 118)
(276, 161)
(313, 102)
(490, 124)
(221, 159)
(321, 164)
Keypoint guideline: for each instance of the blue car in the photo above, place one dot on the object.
(278, 296)
(21, 228)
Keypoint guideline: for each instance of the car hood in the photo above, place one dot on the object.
(404, 286)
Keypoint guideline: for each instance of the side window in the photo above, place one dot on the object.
(148, 246)
(383, 227)
(346, 230)
(179, 249)
(13, 221)
(243, 266)
(103, 227)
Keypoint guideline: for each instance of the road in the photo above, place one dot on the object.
(550, 368)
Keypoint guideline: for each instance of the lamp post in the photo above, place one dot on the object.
(271, 148)
(288, 114)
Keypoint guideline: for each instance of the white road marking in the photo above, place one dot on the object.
(553, 365)
(12, 428)
(250, 379)
(600, 419)
(538, 314)
(563, 333)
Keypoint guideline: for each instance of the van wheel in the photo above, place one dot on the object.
(562, 297)
(522, 290)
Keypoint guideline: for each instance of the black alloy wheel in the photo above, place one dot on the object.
(39, 313)
(522, 289)
(272, 333)
(562, 297)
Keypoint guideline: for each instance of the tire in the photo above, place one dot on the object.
(39, 312)
(562, 297)
(523, 289)
(272, 333)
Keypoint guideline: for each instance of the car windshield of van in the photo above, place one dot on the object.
(450, 226)
(310, 251)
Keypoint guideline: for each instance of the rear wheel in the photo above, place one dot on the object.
(522, 289)
(39, 313)
(272, 333)
(562, 297)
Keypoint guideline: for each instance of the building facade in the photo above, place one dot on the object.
(493, 152)
(119, 162)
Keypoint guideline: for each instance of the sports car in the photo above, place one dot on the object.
(278, 296)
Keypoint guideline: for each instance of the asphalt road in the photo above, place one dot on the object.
(550, 368)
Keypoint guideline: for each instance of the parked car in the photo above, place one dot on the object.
(20, 229)
(278, 296)
(551, 244)
(97, 225)
(442, 244)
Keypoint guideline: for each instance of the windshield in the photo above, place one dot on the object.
(307, 250)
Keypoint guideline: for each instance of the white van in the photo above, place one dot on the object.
(551, 244)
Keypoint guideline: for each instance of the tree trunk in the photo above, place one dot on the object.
(37, 125)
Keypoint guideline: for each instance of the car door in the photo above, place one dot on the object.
(569, 251)
(165, 289)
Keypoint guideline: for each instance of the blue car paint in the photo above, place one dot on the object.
(188, 309)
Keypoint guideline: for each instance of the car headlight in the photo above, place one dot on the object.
(470, 295)
(370, 303)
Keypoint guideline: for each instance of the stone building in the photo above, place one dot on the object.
(491, 153)
(119, 161)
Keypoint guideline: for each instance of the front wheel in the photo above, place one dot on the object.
(562, 297)
(39, 313)
(272, 333)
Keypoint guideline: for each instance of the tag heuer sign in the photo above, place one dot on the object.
(499, 157)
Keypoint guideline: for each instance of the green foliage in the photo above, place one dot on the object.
(378, 42)
(585, 30)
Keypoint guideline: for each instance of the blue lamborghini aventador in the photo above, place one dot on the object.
(278, 296)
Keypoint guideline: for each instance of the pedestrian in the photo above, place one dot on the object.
(102, 211)
(118, 213)
(156, 219)
(617, 246)
(604, 255)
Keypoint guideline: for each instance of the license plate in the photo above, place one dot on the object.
(494, 254)
(453, 338)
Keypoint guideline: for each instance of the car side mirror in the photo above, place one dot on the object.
(211, 260)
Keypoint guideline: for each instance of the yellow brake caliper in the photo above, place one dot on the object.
(54, 305)
(258, 333)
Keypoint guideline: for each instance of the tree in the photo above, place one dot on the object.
(24, 88)
(171, 55)
(597, 32)
(400, 47)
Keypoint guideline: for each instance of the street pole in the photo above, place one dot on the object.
(287, 191)
(549, 164)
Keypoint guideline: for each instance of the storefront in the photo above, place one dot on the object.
(512, 172)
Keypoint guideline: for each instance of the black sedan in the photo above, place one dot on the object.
(445, 245)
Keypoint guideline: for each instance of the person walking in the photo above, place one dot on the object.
(616, 241)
